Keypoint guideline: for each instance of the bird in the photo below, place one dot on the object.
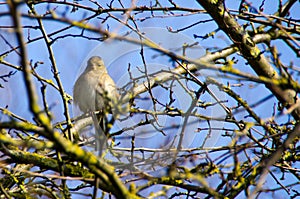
(95, 92)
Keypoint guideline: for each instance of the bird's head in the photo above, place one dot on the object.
(95, 63)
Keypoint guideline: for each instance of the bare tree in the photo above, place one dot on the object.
(209, 104)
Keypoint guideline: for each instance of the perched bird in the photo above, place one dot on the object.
(95, 90)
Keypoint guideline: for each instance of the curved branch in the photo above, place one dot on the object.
(250, 51)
